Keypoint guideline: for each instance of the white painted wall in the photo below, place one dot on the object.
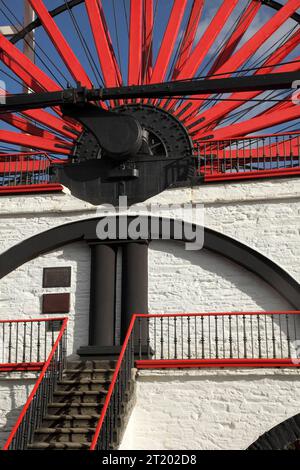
(14, 390)
(209, 409)
(264, 215)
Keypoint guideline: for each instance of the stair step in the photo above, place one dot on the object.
(64, 430)
(83, 384)
(71, 421)
(64, 434)
(96, 364)
(58, 417)
(88, 371)
(93, 374)
(60, 445)
(87, 396)
(76, 408)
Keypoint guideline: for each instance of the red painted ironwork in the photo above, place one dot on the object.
(255, 42)
(30, 73)
(118, 376)
(206, 41)
(249, 157)
(107, 58)
(31, 403)
(185, 46)
(216, 363)
(30, 141)
(60, 43)
(202, 48)
(147, 52)
(135, 43)
(168, 42)
(27, 173)
(189, 37)
(34, 188)
(22, 367)
(237, 35)
(25, 344)
(255, 124)
(155, 350)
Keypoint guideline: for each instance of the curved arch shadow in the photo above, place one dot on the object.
(284, 436)
(86, 230)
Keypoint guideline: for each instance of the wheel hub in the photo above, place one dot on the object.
(164, 136)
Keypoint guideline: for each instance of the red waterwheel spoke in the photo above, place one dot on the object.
(26, 126)
(233, 40)
(60, 43)
(253, 44)
(16, 138)
(135, 42)
(147, 52)
(213, 116)
(24, 68)
(237, 35)
(55, 123)
(257, 123)
(132, 29)
(168, 42)
(189, 37)
(207, 40)
(195, 59)
(109, 66)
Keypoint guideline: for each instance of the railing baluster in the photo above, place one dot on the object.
(161, 338)
(288, 338)
(230, 337)
(202, 337)
(175, 338)
(238, 337)
(259, 337)
(182, 340)
(280, 334)
(38, 341)
(189, 338)
(216, 337)
(168, 337)
(245, 336)
(9, 343)
(196, 339)
(17, 342)
(266, 335)
(273, 337)
(24, 343)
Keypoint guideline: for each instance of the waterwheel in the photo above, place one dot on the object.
(184, 139)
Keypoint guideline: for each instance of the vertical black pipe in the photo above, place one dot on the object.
(102, 297)
(134, 283)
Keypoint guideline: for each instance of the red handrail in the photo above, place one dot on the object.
(204, 314)
(34, 320)
(37, 384)
(112, 385)
(249, 137)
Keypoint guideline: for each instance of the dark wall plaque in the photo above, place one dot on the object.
(57, 277)
(56, 303)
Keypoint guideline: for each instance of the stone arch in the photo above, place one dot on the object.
(215, 241)
(284, 436)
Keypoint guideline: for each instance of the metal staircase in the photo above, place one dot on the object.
(72, 416)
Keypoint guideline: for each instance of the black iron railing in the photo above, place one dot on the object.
(265, 337)
(24, 169)
(249, 157)
(118, 393)
(35, 408)
(26, 344)
(237, 339)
